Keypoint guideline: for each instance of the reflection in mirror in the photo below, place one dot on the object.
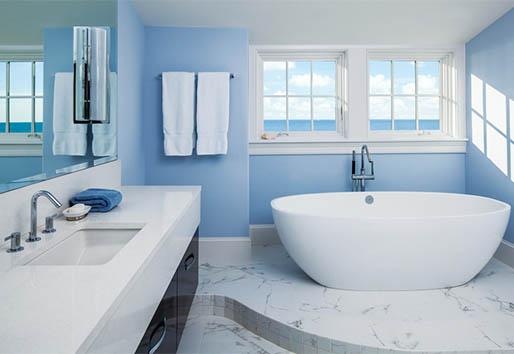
(38, 136)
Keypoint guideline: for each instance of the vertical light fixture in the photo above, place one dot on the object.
(91, 75)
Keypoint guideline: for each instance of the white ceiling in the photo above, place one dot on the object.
(364, 22)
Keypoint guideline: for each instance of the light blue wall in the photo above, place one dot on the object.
(224, 179)
(490, 58)
(275, 176)
(131, 51)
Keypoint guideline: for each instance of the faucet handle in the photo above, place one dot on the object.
(15, 238)
(49, 224)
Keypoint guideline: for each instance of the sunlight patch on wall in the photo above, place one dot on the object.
(477, 95)
(496, 108)
(496, 148)
(477, 131)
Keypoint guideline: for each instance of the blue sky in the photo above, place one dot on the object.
(299, 81)
(404, 83)
(21, 85)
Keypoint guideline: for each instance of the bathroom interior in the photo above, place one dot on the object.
(256, 176)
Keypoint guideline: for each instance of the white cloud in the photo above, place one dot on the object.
(428, 84)
(379, 84)
(324, 108)
(299, 108)
(380, 107)
(304, 80)
(404, 108)
(274, 108)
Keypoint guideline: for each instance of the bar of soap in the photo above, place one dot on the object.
(77, 208)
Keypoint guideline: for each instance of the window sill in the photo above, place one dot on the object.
(431, 145)
(13, 145)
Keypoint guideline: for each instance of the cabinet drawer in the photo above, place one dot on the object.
(161, 335)
(187, 283)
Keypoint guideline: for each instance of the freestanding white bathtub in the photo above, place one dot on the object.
(390, 240)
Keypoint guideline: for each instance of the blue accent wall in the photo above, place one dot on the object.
(275, 176)
(224, 179)
(131, 51)
(490, 65)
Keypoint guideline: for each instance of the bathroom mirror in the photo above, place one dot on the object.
(40, 137)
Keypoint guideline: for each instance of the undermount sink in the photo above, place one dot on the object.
(89, 246)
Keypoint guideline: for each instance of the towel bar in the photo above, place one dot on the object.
(232, 76)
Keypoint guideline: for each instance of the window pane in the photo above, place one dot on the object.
(39, 79)
(324, 78)
(20, 79)
(299, 77)
(274, 77)
(2, 78)
(274, 114)
(380, 113)
(39, 115)
(20, 114)
(404, 113)
(324, 111)
(380, 77)
(428, 110)
(403, 79)
(2, 115)
(299, 114)
(428, 77)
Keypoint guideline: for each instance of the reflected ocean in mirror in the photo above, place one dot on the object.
(38, 139)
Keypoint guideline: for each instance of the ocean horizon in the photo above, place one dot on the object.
(22, 127)
(279, 125)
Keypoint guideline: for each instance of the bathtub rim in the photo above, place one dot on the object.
(503, 207)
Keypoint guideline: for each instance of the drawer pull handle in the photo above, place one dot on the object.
(190, 260)
(162, 325)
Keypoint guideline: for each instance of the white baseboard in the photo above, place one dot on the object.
(505, 253)
(264, 234)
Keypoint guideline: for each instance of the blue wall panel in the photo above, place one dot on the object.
(224, 179)
(490, 97)
(275, 176)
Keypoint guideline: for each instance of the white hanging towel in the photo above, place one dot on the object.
(178, 101)
(69, 138)
(212, 113)
(104, 135)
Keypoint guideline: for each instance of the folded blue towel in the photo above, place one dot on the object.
(100, 200)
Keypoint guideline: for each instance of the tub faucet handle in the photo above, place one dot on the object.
(15, 238)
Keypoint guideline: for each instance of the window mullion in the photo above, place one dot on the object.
(312, 108)
(287, 95)
(33, 116)
(7, 93)
(392, 96)
(416, 113)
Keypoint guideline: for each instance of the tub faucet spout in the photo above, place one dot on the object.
(359, 180)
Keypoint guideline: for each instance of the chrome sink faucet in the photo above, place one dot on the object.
(33, 212)
(359, 180)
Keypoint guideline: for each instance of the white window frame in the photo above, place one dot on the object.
(26, 143)
(355, 121)
(259, 56)
(446, 93)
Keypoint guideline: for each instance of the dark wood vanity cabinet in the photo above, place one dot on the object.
(165, 329)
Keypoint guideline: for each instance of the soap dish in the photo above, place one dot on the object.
(72, 215)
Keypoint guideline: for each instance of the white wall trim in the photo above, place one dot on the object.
(435, 146)
(264, 234)
(505, 253)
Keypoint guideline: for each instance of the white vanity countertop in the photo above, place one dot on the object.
(61, 309)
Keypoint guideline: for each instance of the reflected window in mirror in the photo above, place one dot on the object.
(21, 96)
